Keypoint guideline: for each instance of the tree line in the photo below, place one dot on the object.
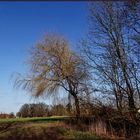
(41, 110)
(44, 110)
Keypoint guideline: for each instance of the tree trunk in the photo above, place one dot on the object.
(74, 94)
(131, 102)
(77, 106)
(132, 108)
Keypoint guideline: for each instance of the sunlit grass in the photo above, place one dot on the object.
(33, 119)
(74, 134)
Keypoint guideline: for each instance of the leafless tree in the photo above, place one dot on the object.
(109, 50)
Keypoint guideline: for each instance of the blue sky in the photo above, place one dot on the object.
(21, 26)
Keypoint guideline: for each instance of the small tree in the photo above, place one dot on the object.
(18, 114)
(12, 115)
(54, 65)
(24, 111)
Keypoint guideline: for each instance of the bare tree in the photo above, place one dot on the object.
(53, 66)
(109, 51)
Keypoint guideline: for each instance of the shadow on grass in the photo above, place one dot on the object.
(31, 133)
(39, 131)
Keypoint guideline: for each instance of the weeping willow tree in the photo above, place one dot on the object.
(53, 66)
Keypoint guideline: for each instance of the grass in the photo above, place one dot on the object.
(81, 135)
(76, 135)
(33, 119)
(41, 128)
(45, 131)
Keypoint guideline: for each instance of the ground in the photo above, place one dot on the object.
(52, 128)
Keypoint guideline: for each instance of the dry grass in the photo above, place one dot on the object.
(43, 131)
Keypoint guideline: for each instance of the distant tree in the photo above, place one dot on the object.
(33, 110)
(12, 115)
(58, 110)
(18, 114)
(54, 65)
(24, 111)
(39, 110)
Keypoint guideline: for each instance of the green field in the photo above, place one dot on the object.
(41, 128)
(33, 119)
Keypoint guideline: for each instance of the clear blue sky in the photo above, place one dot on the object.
(21, 26)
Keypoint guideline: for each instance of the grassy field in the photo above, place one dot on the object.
(33, 119)
(43, 128)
